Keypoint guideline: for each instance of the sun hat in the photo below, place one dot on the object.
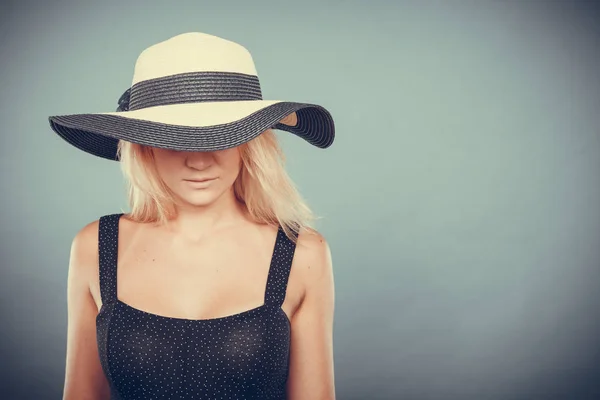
(193, 92)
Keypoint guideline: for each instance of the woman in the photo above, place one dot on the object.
(224, 289)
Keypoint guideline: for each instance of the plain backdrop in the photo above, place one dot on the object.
(460, 198)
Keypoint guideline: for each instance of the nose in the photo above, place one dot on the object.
(198, 159)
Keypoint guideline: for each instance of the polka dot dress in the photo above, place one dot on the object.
(149, 356)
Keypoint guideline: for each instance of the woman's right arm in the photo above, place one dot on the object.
(84, 377)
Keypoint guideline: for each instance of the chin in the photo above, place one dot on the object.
(199, 196)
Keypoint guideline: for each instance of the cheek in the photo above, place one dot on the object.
(231, 162)
(168, 167)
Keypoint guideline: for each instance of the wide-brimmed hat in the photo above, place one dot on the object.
(193, 92)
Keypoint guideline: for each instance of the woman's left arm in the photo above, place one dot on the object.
(311, 375)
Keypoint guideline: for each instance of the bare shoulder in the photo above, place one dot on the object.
(84, 250)
(88, 232)
(313, 256)
(85, 242)
(84, 258)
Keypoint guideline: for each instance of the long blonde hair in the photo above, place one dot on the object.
(263, 186)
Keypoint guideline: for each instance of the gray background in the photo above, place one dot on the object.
(460, 198)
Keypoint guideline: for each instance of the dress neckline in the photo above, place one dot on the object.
(238, 315)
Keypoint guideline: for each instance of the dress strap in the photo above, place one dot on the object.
(279, 270)
(108, 241)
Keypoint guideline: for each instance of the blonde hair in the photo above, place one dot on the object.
(262, 186)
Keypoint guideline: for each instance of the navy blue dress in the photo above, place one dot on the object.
(149, 356)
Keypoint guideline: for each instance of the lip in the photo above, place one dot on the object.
(200, 180)
(203, 184)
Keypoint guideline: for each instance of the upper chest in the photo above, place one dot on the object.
(221, 276)
(218, 262)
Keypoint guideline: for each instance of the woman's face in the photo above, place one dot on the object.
(177, 168)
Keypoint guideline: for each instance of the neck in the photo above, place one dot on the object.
(194, 223)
